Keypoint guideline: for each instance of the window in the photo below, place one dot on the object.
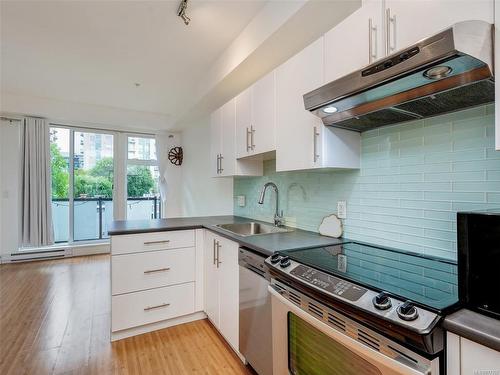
(93, 185)
(82, 184)
(143, 200)
(59, 155)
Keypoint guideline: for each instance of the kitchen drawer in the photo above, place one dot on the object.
(139, 271)
(150, 306)
(138, 243)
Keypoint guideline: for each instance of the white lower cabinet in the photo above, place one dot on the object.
(156, 281)
(466, 357)
(151, 306)
(222, 286)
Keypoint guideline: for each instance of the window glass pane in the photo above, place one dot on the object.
(141, 148)
(93, 185)
(59, 163)
(142, 192)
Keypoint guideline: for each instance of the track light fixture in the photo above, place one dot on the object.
(181, 12)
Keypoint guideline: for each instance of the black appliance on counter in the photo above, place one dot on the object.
(479, 261)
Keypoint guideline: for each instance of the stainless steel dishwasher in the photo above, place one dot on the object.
(255, 312)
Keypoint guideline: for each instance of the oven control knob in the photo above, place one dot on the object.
(407, 311)
(382, 301)
(285, 262)
(275, 258)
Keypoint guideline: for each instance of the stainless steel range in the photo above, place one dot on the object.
(359, 309)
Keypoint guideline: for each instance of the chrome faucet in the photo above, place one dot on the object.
(278, 218)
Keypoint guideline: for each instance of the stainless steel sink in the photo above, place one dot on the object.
(252, 229)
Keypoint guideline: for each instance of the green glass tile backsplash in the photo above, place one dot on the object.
(414, 177)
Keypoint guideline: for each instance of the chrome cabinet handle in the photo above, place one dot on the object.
(389, 46)
(372, 42)
(252, 133)
(157, 270)
(214, 251)
(315, 146)
(248, 143)
(220, 162)
(156, 242)
(149, 308)
(218, 248)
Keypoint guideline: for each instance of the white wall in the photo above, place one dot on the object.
(10, 146)
(203, 195)
(80, 114)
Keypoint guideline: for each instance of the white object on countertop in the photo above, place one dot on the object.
(331, 226)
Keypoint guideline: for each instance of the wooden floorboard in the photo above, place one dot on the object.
(55, 320)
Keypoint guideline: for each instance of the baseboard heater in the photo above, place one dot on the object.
(36, 255)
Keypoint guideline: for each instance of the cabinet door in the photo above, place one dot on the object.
(355, 42)
(211, 279)
(263, 126)
(243, 105)
(228, 152)
(295, 126)
(432, 16)
(229, 291)
(215, 141)
(477, 359)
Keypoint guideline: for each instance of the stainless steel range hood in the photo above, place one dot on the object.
(446, 72)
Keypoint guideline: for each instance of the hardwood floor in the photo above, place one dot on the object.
(54, 319)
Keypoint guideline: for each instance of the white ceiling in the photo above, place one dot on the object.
(95, 51)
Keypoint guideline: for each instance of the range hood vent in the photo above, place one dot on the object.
(447, 72)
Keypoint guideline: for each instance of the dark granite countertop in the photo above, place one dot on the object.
(476, 327)
(265, 244)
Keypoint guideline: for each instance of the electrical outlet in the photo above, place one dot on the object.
(342, 209)
(342, 262)
(241, 201)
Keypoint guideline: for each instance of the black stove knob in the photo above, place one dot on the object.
(275, 258)
(382, 301)
(285, 262)
(407, 311)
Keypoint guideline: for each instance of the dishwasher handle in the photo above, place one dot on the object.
(258, 271)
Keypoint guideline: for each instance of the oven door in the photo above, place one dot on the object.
(304, 344)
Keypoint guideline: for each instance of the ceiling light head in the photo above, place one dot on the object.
(330, 109)
(181, 12)
(438, 72)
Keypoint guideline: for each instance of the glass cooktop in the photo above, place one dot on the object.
(428, 281)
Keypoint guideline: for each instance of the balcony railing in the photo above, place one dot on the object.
(92, 216)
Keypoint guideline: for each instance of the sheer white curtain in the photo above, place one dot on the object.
(36, 223)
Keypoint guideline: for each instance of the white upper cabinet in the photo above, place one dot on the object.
(302, 141)
(215, 141)
(263, 125)
(409, 21)
(223, 146)
(256, 118)
(355, 42)
(244, 124)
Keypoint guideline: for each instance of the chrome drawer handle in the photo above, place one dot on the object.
(149, 308)
(157, 270)
(156, 242)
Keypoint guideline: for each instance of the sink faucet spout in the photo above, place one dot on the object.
(278, 217)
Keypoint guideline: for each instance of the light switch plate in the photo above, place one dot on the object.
(342, 209)
(241, 200)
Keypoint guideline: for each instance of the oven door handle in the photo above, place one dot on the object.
(380, 360)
